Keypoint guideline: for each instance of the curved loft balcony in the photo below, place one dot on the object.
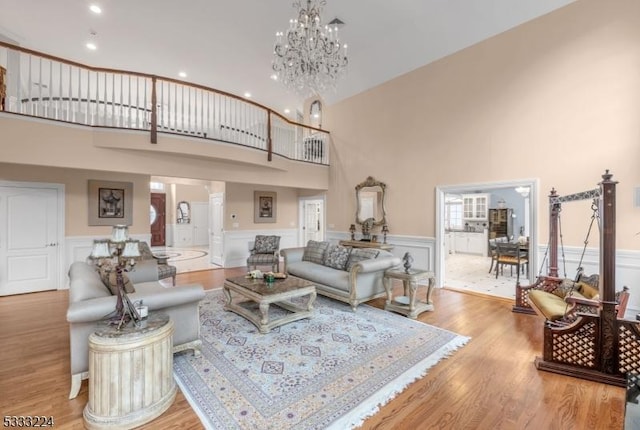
(47, 87)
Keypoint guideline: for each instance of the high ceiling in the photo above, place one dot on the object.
(228, 44)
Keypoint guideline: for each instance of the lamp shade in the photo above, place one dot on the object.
(131, 249)
(119, 233)
(101, 249)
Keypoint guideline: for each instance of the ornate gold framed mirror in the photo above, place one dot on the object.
(370, 201)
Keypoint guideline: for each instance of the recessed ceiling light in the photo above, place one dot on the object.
(182, 74)
(247, 94)
(92, 46)
(274, 77)
(287, 111)
(95, 9)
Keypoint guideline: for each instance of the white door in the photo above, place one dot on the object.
(200, 223)
(216, 228)
(29, 239)
(312, 220)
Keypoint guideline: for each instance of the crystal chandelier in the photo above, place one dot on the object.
(308, 57)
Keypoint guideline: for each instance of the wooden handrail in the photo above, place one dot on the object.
(156, 85)
(163, 78)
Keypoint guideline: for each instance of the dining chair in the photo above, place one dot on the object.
(493, 249)
(511, 254)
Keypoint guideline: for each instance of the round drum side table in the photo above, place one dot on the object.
(130, 373)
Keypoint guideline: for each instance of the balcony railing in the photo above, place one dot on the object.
(44, 86)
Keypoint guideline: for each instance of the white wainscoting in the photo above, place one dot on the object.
(421, 248)
(78, 248)
(627, 262)
(237, 243)
(627, 269)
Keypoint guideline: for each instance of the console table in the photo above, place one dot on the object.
(409, 304)
(363, 244)
(130, 373)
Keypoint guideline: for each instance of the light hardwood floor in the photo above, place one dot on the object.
(491, 383)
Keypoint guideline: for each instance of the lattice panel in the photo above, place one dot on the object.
(577, 348)
(629, 350)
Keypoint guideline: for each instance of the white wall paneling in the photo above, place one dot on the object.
(421, 248)
(237, 243)
(78, 248)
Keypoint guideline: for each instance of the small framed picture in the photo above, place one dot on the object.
(110, 203)
(264, 205)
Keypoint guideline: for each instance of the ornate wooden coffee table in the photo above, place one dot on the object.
(280, 293)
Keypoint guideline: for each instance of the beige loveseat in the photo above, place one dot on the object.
(90, 301)
(359, 280)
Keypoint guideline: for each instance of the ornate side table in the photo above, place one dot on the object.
(130, 373)
(409, 304)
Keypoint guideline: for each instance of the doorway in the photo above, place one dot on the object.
(216, 228)
(158, 219)
(200, 221)
(444, 241)
(312, 220)
(31, 237)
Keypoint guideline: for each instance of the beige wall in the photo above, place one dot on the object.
(239, 198)
(76, 195)
(48, 143)
(556, 99)
(239, 202)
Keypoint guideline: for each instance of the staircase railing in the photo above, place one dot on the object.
(44, 86)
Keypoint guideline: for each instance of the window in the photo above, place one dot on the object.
(156, 186)
(453, 215)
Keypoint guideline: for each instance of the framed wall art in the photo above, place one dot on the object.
(110, 203)
(264, 206)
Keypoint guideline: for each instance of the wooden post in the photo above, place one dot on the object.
(154, 111)
(554, 211)
(608, 315)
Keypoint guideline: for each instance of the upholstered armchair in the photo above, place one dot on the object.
(165, 270)
(265, 252)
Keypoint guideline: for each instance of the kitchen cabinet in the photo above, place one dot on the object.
(475, 206)
(470, 242)
(500, 223)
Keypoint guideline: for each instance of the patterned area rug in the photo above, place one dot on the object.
(328, 372)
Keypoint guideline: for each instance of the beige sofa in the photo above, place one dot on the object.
(358, 282)
(90, 301)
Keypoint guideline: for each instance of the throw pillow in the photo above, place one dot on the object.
(314, 251)
(108, 276)
(266, 244)
(360, 254)
(564, 288)
(337, 257)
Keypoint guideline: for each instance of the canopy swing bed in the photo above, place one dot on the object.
(585, 334)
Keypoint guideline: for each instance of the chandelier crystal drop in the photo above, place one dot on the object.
(308, 57)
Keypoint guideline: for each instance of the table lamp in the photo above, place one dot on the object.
(124, 251)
